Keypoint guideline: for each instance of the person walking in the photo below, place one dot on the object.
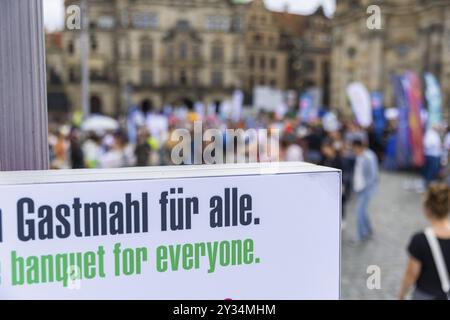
(75, 150)
(365, 180)
(142, 150)
(433, 155)
(429, 250)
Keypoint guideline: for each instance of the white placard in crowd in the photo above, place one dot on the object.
(210, 232)
(267, 99)
(361, 103)
(237, 105)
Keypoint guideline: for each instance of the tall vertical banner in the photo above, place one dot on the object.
(379, 118)
(240, 231)
(403, 146)
(413, 92)
(360, 101)
(434, 100)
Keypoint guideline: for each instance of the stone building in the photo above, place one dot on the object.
(308, 42)
(266, 59)
(415, 36)
(56, 90)
(161, 51)
(178, 52)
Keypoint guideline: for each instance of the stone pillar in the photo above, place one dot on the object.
(23, 93)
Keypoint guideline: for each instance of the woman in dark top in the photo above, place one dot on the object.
(421, 270)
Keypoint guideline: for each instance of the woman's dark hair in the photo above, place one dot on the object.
(438, 200)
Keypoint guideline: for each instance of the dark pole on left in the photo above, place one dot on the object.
(23, 92)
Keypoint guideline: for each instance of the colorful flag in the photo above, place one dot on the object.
(378, 113)
(434, 100)
(413, 93)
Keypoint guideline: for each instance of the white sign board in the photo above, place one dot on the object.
(267, 99)
(201, 232)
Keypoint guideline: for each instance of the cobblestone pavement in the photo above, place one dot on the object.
(396, 213)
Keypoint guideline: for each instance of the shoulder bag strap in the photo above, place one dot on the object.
(438, 260)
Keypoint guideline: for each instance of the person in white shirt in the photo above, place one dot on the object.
(365, 181)
(433, 155)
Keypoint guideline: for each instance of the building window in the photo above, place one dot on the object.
(125, 48)
(251, 62)
(403, 49)
(94, 43)
(72, 76)
(146, 50)
(196, 52)
(272, 41)
(262, 81)
(96, 104)
(273, 63)
(183, 51)
(183, 25)
(195, 81)
(237, 23)
(273, 83)
(217, 78)
(183, 78)
(309, 83)
(71, 47)
(171, 77)
(96, 75)
(236, 53)
(146, 78)
(218, 23)
(217, 52)
(310, 65)
(354, 4)
(106, 22)
(125, 19)
(262, 63)
(145, 20)
(170, 51)
(252, 82)
(257, 39)
(351, 52)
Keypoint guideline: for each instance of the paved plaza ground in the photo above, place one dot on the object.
(396, 213)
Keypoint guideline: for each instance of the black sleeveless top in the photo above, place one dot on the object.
(428, 280)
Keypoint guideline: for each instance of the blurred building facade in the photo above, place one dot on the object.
(415, 36)
(57, 98)
(179, 52)
(266, 62)
(308, 41)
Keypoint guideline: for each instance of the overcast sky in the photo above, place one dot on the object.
(54, 9)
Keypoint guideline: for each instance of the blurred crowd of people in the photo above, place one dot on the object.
(143, 137)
